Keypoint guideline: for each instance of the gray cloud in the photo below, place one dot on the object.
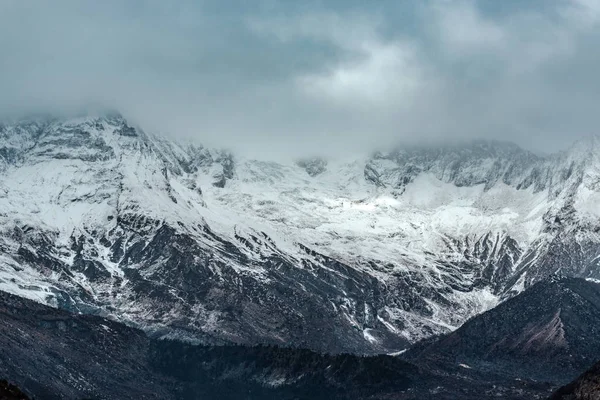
(286, 78)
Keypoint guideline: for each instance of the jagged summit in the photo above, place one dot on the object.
(481, 147)
(469, 164)
(364, 255)
(588, 144)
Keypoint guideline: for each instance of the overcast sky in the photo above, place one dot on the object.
(299, 77)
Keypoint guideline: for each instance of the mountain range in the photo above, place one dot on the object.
(364, 256)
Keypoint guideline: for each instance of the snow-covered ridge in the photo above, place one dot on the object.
(359, 255)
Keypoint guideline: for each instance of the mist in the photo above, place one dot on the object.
(277, 79)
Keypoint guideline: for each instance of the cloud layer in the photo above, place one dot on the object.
(291, 78)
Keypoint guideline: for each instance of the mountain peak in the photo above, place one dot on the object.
(584, 147)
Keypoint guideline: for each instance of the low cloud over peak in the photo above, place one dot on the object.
(285, 78)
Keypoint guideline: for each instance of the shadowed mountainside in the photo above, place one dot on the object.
(549, 332)
(52, 354)
(9, 391)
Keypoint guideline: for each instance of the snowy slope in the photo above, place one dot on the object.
(362, 255)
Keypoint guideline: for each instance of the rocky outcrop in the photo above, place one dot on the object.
(313, 166)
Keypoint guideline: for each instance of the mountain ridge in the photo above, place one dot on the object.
(547, 333)
(51, 354)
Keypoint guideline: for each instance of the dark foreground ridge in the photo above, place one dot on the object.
(549, 333)
(586, 387)
(9, 391)
(52, 354)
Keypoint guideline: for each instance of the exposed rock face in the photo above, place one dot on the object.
(549, 332)
(313, 166)
(363, 256)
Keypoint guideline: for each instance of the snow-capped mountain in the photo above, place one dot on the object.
(363, 255)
